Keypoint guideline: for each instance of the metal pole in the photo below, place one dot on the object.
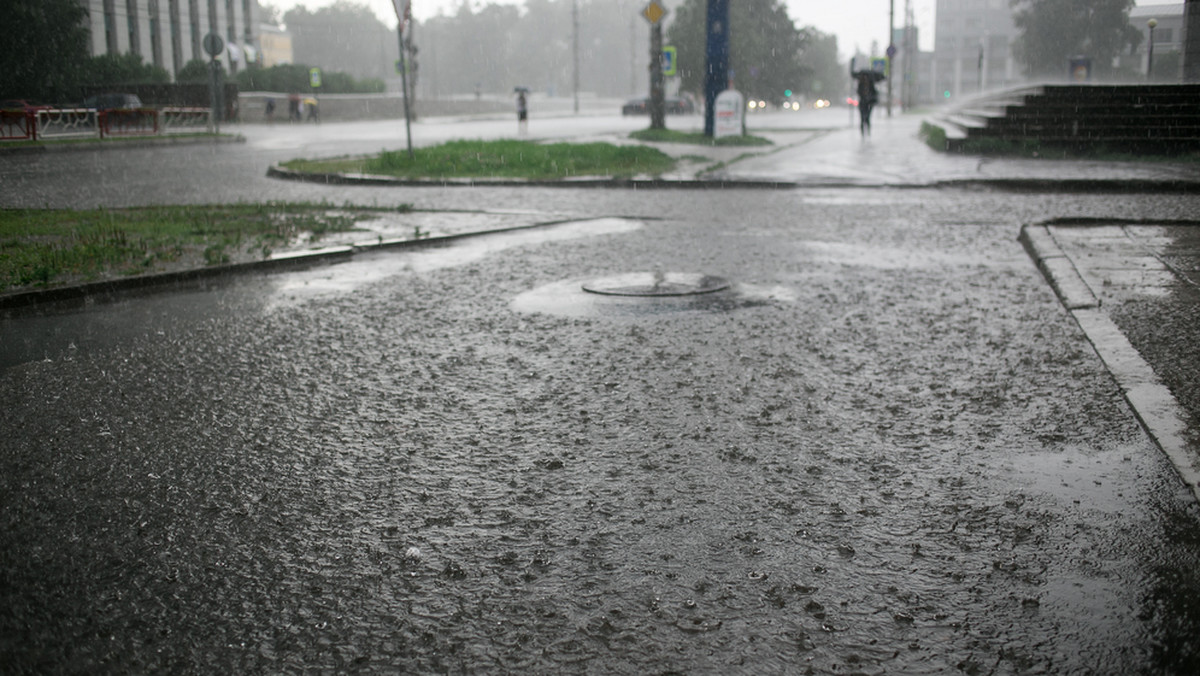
(892, 50)
(214, 96)
(716, 59)
(575, 49)
(404, 86)
(657, 84)
(1150, 54)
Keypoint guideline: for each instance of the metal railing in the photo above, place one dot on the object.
(64, 123)
(16, 125)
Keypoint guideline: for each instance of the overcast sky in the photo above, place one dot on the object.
(856, 22)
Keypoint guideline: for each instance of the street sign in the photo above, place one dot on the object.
(654, 12)
(668, 61)
(213, 44)
(891, 51)
(314, 77)
(880, 66)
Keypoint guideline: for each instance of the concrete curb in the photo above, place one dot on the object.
(82, 293)
(1044, 186)
(1165, 421)
(276, 171)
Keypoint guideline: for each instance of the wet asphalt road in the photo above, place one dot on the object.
(887, 449)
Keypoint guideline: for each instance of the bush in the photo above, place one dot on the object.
(294, 78)
(113, 69)
(194, 71)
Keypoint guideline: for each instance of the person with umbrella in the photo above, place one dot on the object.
(868, 95)
(522, 110)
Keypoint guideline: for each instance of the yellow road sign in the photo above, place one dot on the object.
(654, 12)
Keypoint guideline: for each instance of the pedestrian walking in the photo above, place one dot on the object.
(271, 110)
(868, 95)
(522, 114)
(294, 108)
(314, 109)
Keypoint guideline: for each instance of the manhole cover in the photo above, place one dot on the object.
(657, 284)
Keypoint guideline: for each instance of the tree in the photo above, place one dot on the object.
(43, 43)
(820, 56)
(118, 69)
(194, 71)
(766, 50)
(345, 36)
(1053, 31)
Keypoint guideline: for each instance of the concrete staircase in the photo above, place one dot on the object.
(1146, 119)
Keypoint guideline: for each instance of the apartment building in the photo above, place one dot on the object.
(169, 33)
(972, 50)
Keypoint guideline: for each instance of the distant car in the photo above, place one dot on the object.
(674, 105)
(112, 101)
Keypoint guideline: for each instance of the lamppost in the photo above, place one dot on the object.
(1150, 53)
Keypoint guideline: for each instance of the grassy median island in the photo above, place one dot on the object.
(50, 247)
(500, 159)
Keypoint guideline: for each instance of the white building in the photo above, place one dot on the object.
(972, 50)
(1168, 33)
(169, 33)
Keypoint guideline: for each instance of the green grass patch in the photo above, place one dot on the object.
(501, 159)
(934, 136)
(41, 247)
(696, 138)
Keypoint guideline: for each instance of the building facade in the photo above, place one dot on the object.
(972, 49)
(275, 46)
(1168, 38)
(169, 33)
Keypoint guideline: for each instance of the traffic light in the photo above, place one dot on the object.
(787, 93)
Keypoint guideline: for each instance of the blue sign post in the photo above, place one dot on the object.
(716, 59)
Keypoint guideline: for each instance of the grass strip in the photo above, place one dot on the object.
(43, 247)
(501, 159)
(696, 138)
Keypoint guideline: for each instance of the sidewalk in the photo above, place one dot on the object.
(1134, 289)
(895, 156)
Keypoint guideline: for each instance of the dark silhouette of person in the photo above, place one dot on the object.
(522, 113)
(867, 97)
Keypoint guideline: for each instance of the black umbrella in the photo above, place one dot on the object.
(873, 74)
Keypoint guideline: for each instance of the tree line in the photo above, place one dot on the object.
(44, 52)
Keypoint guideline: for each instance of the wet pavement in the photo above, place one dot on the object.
(887, 447)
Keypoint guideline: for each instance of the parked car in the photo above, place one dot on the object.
(675, 106)
(112, 101)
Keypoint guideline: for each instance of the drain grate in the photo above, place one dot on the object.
(655, 284)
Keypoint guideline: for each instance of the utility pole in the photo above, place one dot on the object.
(657, 79)
(402, 13)
(575, 49)
(654, 13)
(891, 51)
